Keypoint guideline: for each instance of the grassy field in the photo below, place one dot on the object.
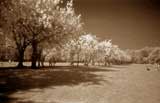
(66, 84)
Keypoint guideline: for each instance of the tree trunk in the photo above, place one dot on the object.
(34, 55)
(105, 61)
(20, 58)
(39, 59)
(77, 59)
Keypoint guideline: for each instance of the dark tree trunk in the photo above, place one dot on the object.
(20, 58)
(106, 63)
(34, 55)
(39, 58)
(39, 63)
(77, 59)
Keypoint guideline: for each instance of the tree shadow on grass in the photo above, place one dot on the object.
(118, 67)
(6, 99)
(13, 80)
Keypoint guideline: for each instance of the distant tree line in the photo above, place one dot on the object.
(145, 55)
(87, 50)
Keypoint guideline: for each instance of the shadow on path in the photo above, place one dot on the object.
(13, 80)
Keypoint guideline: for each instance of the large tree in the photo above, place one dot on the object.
(33, 22)
(55, 24)
(14, 22)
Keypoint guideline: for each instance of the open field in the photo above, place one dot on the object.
(64, 84)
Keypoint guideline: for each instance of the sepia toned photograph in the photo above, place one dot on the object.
(79, 51)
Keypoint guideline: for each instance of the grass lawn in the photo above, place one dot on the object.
(66, 84)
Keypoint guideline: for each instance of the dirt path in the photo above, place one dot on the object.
(125, 84)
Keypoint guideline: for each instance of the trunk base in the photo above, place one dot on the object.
(20, 65)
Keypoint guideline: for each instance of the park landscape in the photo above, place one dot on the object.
(46, 56)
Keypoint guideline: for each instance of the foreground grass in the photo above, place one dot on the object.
(66, 84)
(13, 80)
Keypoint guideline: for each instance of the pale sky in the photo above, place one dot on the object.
(129, 23)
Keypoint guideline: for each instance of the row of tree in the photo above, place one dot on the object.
(88, 49)
(50, 30)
